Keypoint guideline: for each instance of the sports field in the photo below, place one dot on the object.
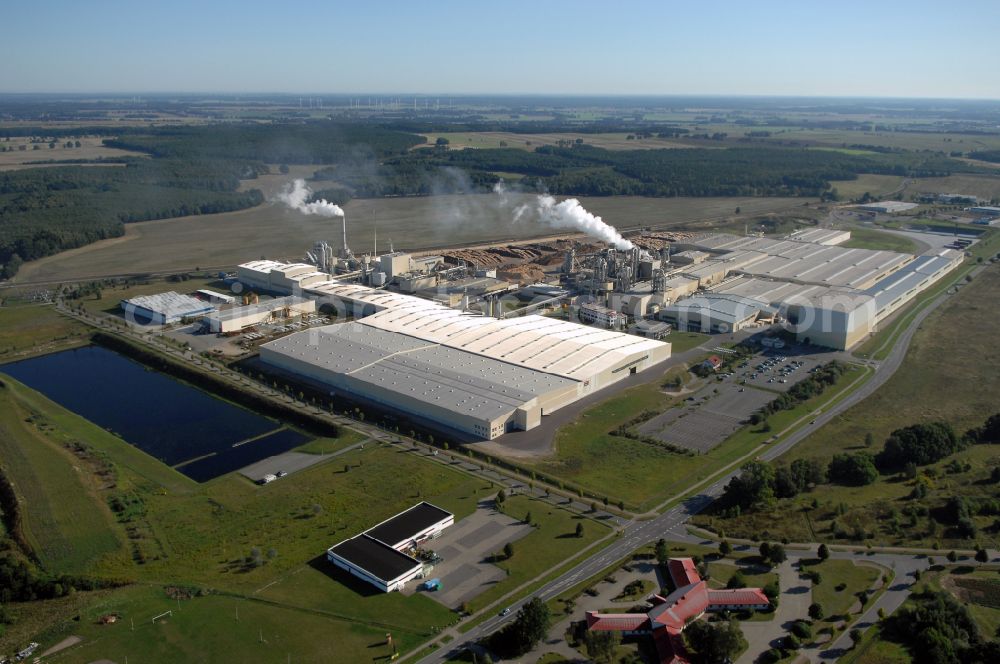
(217, 627)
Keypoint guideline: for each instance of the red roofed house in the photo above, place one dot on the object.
(670, 614)
(713, 362)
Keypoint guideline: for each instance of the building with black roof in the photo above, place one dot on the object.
(378, 554)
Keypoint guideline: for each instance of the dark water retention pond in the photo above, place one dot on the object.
(176, 423)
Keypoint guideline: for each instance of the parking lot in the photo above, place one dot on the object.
(465, 548)
(713, 413)
(708, 417)
(777, 372)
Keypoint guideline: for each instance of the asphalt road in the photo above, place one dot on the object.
(640, 533)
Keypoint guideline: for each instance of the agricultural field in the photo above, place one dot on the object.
(914, 394)
(90, 148)
(501, 139)
(983, 186)
(271, 230)
(876, 185)
(934, 141)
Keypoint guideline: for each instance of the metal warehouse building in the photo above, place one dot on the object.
(379, 555)
(479, 375)
(164, 308)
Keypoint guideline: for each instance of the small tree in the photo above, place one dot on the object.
(579, 529)
(501, 497)
(508, 551)
(601, 646)
(662, 552)
(527, 518)
(982, 556)
(822, 552)
(737, 580)
(952, 557)
(725, 548)
(816, 611)
(856, 636)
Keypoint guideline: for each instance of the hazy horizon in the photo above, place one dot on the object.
(885, 50)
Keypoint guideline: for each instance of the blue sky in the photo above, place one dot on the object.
(918, 48)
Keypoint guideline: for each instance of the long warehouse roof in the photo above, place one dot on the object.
(458, 381)
(534, 342)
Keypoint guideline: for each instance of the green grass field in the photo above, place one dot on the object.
(841, 580)
(876, 185)
(682, 341)
(864, 238)
(983, 186)
(31, 329)
(207, 629)
(941, 378)
(875, 650)
(201, 534)
(65, 520)
(552, 542)
(644, 475)
(720, 572)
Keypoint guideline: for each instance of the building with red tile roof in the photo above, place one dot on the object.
(668, 616)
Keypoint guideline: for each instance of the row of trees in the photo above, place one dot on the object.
(807, 388)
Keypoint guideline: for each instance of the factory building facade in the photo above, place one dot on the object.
(478, 375)
(231, 321)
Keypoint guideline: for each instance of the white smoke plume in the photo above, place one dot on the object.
(500, 189)
(296, 194)
(570, 214)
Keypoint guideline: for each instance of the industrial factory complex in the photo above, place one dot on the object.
(448, 343)
(469, 364)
